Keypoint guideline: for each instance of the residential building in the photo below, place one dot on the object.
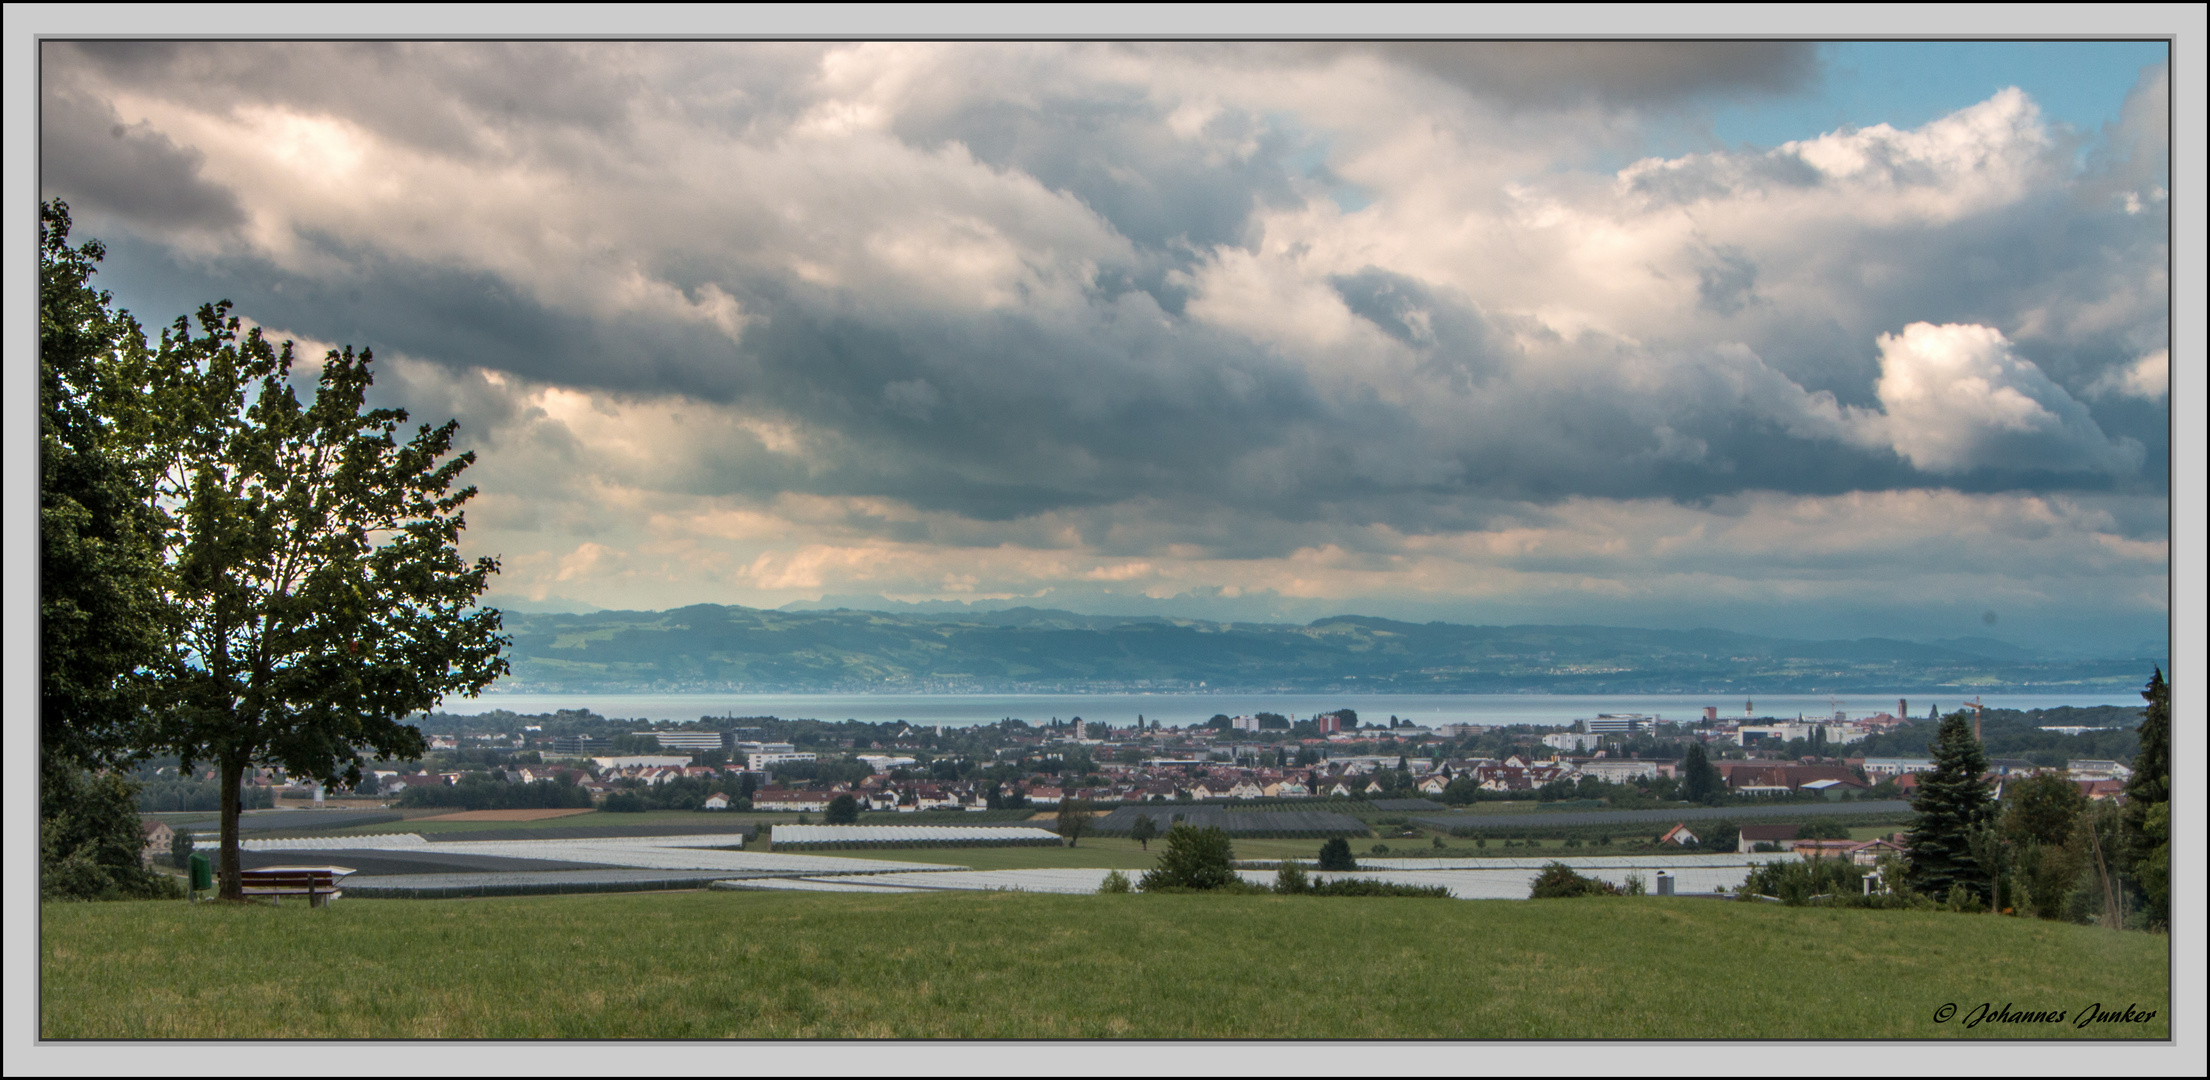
(157, 838)
(1618, 770)
(642, 761)
(1572, 742)
(2084, 769)
(1782, 837)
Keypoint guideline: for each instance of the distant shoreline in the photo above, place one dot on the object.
(1183, 707)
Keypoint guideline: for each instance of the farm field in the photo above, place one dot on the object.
(693, 820)
(506, 815)
(1012, 965)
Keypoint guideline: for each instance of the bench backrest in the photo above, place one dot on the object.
(288, 879)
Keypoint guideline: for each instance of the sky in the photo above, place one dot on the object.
(1821, 340)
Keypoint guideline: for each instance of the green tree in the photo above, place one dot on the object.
(2148, 851)
(1700, 781)
(312, 565)
(1335, 854)
(181, 842)
(1557, 880)
(1142, 830)
(101, 618)
(2042, 809)
(90, 844)
(843, 810)
(1194, 859)
(1075, 821)
(1952, 805)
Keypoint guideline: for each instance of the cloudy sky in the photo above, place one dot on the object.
(1822, 340)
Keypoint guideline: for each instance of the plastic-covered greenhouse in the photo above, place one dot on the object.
(832, 837)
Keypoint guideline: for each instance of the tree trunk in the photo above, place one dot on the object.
(229, 886)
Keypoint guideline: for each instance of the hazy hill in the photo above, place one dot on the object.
(711, 647)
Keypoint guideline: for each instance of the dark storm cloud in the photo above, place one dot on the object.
(87, 155)
(466, 99)
(1117, 393)
(1614, 73)
(1118, 157)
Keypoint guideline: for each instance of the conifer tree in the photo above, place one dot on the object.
(1953, 804)
(2148, 828)
(1699, 780)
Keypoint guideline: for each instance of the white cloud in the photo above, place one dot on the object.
(998, 319)
(2149, 378)
(1957, 397)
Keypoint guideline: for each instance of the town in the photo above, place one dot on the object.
(803, 766)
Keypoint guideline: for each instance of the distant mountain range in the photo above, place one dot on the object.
(737, 649)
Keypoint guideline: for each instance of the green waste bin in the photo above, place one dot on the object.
(203, 874)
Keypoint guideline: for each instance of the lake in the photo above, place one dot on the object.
(960, 710)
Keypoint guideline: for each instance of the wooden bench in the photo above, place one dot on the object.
(319, 884)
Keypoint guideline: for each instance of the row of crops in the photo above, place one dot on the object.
(1261, 825)
(834, 837)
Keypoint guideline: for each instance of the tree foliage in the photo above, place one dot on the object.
(843, 810)
(101, 619)
(1075, 821)
(1194, 859)
(308, 594)
(479, 792)
(1953, 807)
(1335, 854)
(2148, 817)
(1142, 830)
(1700, 781)
(1558, 881)
(2048, 852)
(90, 845)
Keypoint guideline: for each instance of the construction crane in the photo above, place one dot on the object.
(1974, 705)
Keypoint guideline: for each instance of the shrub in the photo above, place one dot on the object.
(1636, 886)
(90, 843)
(623, 802)
(1115, 882)
(1291, 878)
(1558, 880)
(1194, 859)
(1336, 855)
(1381, 849)
(1370, 887)
(1798, 882)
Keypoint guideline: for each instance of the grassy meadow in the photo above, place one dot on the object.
(713, 965)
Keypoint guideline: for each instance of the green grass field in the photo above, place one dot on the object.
(1012, 965)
